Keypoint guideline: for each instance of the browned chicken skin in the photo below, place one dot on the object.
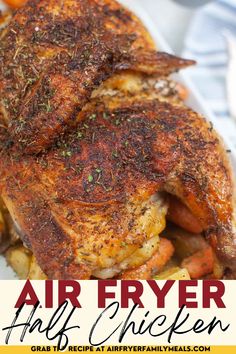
(91, 144)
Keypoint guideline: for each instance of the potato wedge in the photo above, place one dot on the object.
(35, 272)
(185, 243)
(175, 273)
(3, 236)
(19, 258)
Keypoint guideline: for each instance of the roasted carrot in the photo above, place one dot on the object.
(153, 265)
(180, 215)
(200, 263)
(15, 3)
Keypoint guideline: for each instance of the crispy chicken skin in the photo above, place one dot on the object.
(92, 143)
(54, 53)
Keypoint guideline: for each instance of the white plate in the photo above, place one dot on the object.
(195, 100)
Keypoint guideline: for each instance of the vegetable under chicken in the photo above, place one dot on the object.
(94, 137)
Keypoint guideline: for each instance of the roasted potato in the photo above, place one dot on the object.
(180, 215)
(185, 243)
(35, 272)
(19, 258)
(175, 273)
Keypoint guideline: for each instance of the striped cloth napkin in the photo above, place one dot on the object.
(206, 43)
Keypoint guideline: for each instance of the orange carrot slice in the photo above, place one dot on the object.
(200, 263)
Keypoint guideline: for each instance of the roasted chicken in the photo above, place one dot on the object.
(95, 139)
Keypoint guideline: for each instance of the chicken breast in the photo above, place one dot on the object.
(53, 54)
(92, 146)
